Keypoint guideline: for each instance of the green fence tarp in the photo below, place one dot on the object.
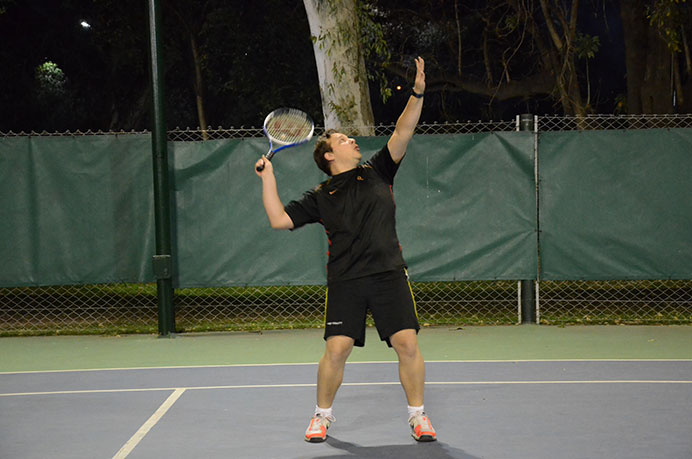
(465, 210)
(222, 235)
(616, 204)
(466, 207)
(75, 210)
(78, 210)
(613, 205)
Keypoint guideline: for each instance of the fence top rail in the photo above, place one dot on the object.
(195, 134)
(543, 123)
(613, 122)
(76, 133)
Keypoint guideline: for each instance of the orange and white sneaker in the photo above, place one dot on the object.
(317, 430)
(421, 429)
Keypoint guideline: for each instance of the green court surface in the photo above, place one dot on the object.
(521, 342)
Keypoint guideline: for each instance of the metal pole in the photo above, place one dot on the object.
(162, 261)
(527, 287)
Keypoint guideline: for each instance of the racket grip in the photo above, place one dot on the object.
(267, 157)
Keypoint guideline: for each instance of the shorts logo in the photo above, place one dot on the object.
(335, 323)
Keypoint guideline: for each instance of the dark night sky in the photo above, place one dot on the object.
(35, 31)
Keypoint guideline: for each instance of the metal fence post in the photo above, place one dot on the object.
(162, 261)
(527, 288)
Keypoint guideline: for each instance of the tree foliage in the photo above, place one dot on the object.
(659, 69)
(229, 62)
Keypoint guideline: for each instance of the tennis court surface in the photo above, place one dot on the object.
(492, 392)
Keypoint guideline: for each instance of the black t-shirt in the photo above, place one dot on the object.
(357, 210)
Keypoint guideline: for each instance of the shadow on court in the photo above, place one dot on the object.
(433, 450)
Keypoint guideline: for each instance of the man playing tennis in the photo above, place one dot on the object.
(366, 269)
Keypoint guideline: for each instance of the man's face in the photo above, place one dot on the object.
(345, 149)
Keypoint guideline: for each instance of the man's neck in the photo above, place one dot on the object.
(338, 168)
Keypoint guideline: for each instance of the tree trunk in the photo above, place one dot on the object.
(199, 93)
(340, 66)
(685, 94)
(634, 27)
(647, 61)
(191, 16)
(656, 91)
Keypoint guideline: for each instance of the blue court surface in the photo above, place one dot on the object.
(571, 408)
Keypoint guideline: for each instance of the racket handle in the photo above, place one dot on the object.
(267, 157)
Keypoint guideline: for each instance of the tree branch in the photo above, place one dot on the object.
(551, 27)
(540, 83)
(686, 51)
(456, 17)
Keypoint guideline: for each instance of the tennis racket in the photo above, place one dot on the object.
(286, 128)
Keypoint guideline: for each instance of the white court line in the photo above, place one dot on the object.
(383, 383)
(291, 364)
(155, 389)
(146, 427)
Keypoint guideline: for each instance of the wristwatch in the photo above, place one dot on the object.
(415, 94)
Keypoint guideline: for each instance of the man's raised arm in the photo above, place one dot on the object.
(408, 120)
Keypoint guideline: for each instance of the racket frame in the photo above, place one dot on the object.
(273, 140)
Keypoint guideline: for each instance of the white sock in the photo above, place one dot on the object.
(414, 409)
(324, 412)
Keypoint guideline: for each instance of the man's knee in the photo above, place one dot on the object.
(405, 343)
(338, 348)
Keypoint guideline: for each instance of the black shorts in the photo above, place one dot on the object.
(388, 296)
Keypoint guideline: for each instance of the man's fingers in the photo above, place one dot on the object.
(261, 165)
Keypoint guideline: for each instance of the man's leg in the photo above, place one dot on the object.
(330, 371)
(412, 376)
(411, 365)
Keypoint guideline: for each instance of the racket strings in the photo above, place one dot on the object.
(289, 128)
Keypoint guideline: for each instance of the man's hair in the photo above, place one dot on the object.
(321, 147)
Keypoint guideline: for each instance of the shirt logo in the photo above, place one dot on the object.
(332, 191)
(359, 178)
(335, 323)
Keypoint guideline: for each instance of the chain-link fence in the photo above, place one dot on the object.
(615, 302)
(111, 308)
(438, 303)
(133, 307)
(612, 122)
(469, 127)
